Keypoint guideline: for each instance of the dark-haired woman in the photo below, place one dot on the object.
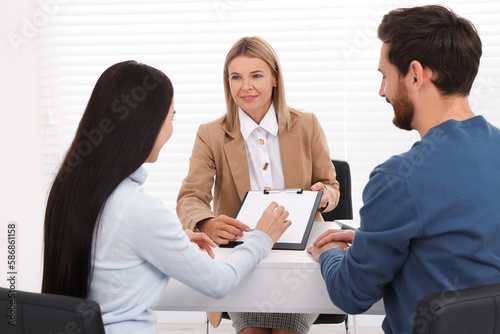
(105, 239)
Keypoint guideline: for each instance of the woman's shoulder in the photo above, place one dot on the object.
(303, 117)
(131, 202)
(128, 196)
(302, 114)
(211, 127)
(215, 123)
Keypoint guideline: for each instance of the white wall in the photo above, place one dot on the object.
(22, 194)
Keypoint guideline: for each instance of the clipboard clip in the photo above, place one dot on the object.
(291, 190)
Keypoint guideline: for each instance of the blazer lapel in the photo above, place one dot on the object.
(236, 155)
(291, 152)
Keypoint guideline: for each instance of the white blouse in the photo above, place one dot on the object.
(263, 150)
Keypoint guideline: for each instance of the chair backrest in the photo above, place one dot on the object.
(34, 313)
(475, 310)
(344, 208)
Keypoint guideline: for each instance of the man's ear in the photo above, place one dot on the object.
(416, 73)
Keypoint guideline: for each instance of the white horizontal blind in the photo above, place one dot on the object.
(328, 49)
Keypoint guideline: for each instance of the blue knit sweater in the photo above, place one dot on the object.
(430, 223)
(140, 245)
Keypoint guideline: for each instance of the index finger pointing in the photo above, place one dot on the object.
(238, 224)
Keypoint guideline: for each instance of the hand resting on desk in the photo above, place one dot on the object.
(331, 239)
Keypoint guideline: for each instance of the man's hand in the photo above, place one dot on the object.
(222, 229)
(346, 236)
(203, 242)
(331, 239)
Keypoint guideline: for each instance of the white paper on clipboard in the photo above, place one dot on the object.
(301, 204)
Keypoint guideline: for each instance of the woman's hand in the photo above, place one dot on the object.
(324, 198)
(222, 229)
(273, 221)
(203, 242)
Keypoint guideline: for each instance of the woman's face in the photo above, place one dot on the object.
(165, 133)
(252, 82)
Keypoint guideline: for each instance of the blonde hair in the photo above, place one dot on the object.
(257, 47)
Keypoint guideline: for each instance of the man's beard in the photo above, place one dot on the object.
(403, 109)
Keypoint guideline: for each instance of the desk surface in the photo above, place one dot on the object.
(285, 281)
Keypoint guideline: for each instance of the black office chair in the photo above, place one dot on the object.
(475, 310)
(34, 313)
(344, 208)
(342, 211)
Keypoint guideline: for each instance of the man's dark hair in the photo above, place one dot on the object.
(437, 38)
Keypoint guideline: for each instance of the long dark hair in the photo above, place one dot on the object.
(116, 134)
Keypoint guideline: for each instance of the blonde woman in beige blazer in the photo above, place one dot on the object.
(224, 153)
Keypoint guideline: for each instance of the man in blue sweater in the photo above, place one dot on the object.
(431, 216)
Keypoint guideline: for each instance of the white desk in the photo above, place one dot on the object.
(285, 281)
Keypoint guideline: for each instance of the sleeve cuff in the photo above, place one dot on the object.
(263, 236)
(332, 253)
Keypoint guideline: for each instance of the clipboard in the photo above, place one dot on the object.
(301, 204)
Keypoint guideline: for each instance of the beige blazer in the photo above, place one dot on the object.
(220, 155)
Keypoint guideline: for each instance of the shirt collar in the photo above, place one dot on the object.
(140, 175)
(268, 123)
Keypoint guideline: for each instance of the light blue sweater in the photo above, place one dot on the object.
(430, 223)
(140, 245)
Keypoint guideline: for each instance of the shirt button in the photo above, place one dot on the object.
(261, 141)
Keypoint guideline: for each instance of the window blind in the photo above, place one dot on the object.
(328, 49)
